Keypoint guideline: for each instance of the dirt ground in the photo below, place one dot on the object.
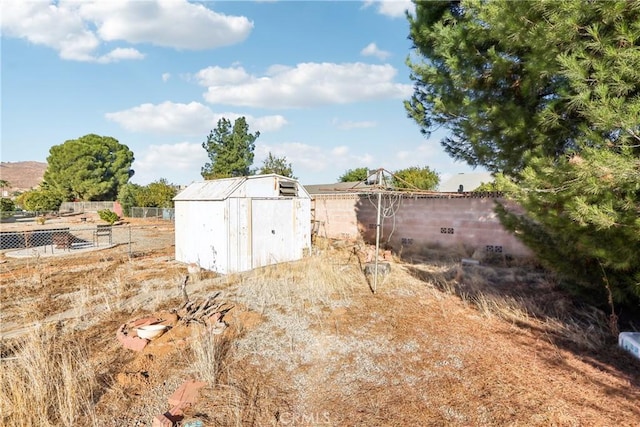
(308, 343)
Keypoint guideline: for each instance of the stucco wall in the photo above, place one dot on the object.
(411, 223)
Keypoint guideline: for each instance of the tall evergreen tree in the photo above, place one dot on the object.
(230, 149)
(547, 93)
(91, 167)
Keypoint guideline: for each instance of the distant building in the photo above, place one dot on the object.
(465, 182)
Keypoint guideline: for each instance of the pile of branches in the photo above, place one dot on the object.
(207, 311)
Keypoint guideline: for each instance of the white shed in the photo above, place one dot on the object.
(236, 224)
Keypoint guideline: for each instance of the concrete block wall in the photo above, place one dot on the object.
(410, 223)
(336, 215)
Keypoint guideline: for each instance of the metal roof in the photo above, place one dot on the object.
(221, 189)
(217, 189)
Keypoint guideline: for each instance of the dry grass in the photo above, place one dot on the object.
(309, 344)
(208, 353)
(49, 381)
(522, 296)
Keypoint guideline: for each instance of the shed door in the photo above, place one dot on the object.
(272, 231)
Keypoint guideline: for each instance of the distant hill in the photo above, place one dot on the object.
(22, 176)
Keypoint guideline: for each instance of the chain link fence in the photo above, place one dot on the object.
(159, 213)
(86, 206)
(61, 240)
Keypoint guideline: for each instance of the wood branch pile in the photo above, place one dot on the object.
(208, 311)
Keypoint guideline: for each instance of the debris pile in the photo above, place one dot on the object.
(208, 311)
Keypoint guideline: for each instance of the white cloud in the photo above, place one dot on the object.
(166, 77)
(348, 124)
(176, 23)
(216, 76)
(305, 85)
(312, 158)
(391, 8)
(119, 54)
(373, 50)
(77, 29)
(179, 163)
(266, 123)
(424, 154)
(301, 156)
(185, 119)
(340, 151)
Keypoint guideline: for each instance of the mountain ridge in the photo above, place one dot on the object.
(21, 176)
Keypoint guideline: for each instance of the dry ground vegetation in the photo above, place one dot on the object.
(308, 343)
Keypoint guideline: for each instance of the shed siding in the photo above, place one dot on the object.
(201, 234)
(237, 224)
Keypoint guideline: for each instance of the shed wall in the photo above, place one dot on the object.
(201, 234)
(238, 234)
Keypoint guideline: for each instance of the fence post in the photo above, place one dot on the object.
(129, 241)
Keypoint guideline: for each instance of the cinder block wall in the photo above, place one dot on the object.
(411, 223)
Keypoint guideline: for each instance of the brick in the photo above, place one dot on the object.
(129, 342)
(144, 321)
(187, 393)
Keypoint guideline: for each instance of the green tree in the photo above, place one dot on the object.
(127, 197)
(158, 194)
(277, 165)
(353, 175)
(92, 167)
(230, 150)
(416, 177)
(548, 94)
(7, 205)
(42, 200)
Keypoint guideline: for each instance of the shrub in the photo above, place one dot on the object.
(108, 216)
(7, 207)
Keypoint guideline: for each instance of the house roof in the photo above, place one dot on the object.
(337, 188)
(469, 182)
(221, 189)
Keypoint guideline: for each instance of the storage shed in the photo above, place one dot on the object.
(237, 224)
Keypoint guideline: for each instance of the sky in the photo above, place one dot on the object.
(322, 81)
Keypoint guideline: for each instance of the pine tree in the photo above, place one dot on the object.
(548, 93)
(230, 150)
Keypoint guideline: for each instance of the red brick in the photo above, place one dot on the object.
(144, 321)
(132, 343)
(187, 393)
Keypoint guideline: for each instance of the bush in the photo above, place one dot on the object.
(7, 205)
(7, 208)
(108, 216)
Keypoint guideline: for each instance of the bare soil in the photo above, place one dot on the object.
(308, 343)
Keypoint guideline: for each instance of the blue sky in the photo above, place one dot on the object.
(322, 81)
